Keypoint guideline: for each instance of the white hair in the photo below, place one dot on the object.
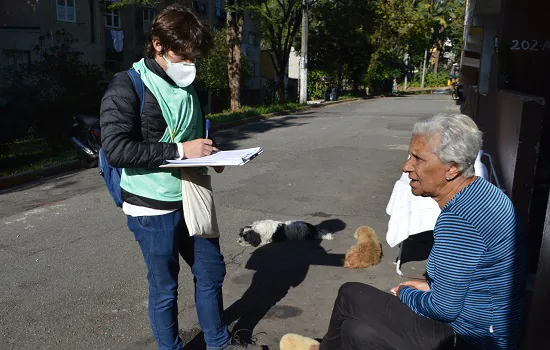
(460, 140)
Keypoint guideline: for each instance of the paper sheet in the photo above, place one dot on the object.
(221, 158)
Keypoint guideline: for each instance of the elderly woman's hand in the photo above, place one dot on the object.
(419, 285)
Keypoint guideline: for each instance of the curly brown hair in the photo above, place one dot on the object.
(180, 30)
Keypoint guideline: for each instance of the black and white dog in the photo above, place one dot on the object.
(267, 231)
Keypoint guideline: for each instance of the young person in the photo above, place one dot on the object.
(171, 126)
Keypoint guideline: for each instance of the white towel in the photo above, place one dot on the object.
(118, 39)
(480, 168)
(410, 214)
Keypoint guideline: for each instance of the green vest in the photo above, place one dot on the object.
(181, 109)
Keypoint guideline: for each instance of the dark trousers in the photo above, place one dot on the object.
(367, 318)
(163, 239)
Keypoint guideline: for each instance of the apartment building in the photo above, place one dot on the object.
(110, 39)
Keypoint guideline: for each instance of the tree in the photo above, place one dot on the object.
(339, 40)
(40, 99)
(280, 21)
(111, 5)
(411, 27)
(212, 68)
(234, 37)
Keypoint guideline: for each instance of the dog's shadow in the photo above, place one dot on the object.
(278, 267)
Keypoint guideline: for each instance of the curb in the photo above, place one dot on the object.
(257, 118)
(32, 175)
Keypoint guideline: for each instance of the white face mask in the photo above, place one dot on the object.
(182, 73)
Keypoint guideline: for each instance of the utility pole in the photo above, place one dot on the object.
(303, 53)
(424, 69)
(406, 60)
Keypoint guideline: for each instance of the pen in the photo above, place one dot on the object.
(207, 127)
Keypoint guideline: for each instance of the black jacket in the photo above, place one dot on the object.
(129, 144)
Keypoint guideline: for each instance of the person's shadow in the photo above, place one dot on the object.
(279, 267)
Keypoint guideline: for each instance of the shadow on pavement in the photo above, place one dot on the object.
(278, 268)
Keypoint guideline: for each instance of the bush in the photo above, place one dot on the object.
(431, 80)
(384, 66)
(212, 69)
(316, 83)
(38, 101)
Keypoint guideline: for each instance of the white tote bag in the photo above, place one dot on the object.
(199, 210)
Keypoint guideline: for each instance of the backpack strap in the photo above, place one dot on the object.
(139, 86)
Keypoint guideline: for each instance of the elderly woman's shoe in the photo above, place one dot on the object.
(297, 342)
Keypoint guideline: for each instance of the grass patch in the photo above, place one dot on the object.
(346, 97)
(30, 155)
(251, 111)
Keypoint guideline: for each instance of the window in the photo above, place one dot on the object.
(253, 69)
(112, 18)
(252, 39)
(148, 15)
(66, 11)
(218, 8)
(17, 58)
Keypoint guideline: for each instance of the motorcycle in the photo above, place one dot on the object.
(87, 139)
(456, 91)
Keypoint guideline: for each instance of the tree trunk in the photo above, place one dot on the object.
(234, 40)
(281, 71)
(436, 61)
(281, 85)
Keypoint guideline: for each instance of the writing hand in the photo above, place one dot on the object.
(198, 148)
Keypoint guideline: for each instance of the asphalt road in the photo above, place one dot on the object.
(73, 276)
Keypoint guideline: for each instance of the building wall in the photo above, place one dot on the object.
(294, 64)
(490, 31)
(524, 26)
(251, 50)
(266, 65)
(514, 113)
(23, 24)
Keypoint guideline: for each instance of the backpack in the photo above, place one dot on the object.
(112, 175)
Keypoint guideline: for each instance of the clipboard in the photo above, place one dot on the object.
(220, 158)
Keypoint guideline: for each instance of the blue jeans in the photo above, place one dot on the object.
(162, 239)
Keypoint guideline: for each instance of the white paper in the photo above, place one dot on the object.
(221, 158)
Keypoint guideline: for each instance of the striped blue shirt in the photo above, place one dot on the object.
(476, 269)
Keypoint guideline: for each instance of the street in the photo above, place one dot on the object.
(73, 276)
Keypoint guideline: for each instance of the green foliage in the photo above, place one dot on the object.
(29, 155)
(39, 100)
(212, 68)
(431, 80)
(279, 26)
(248, 111)
(123, 3)
(339, 39)
(413, 27)
(316, 83)
(383, 67)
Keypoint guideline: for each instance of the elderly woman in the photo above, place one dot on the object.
(474, 293)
